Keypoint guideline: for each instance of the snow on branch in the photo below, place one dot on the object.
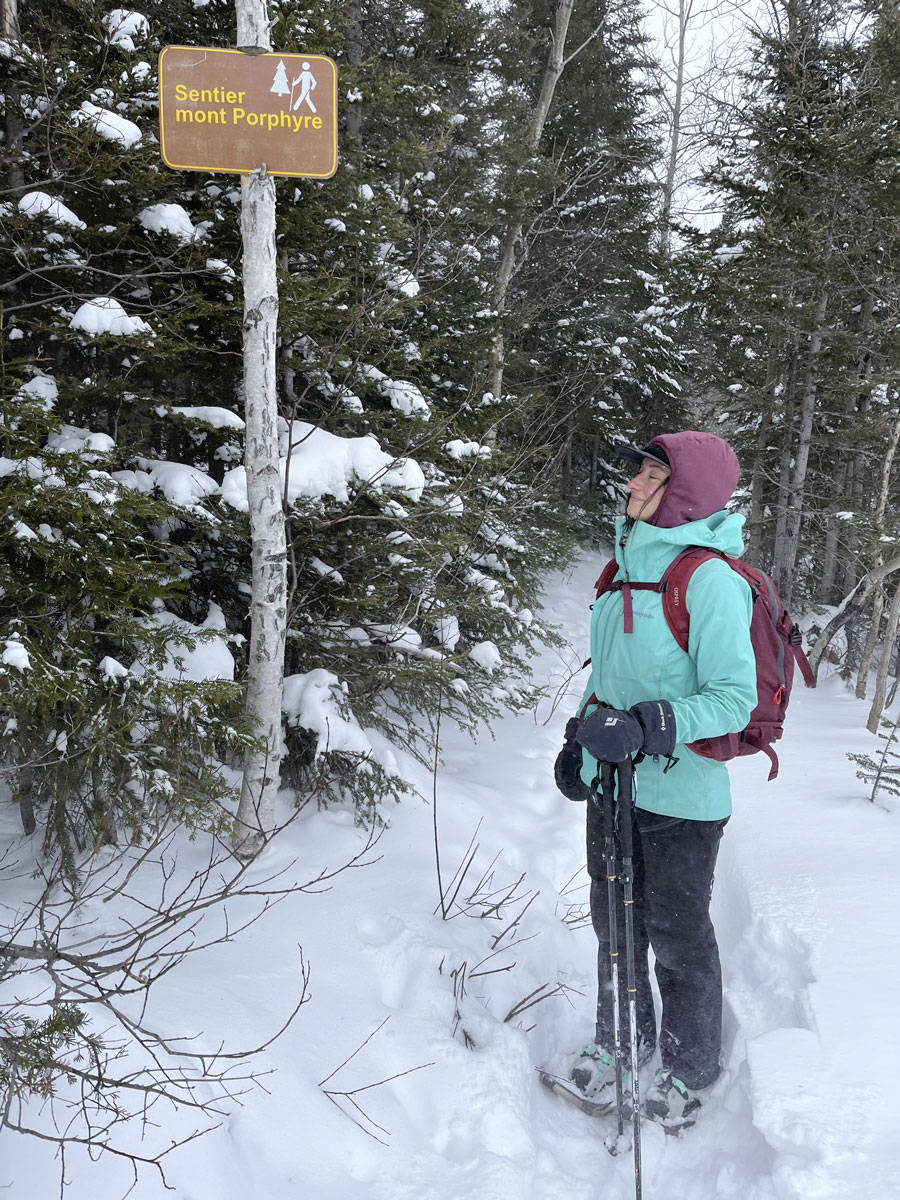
(319, 464)
(108, 124)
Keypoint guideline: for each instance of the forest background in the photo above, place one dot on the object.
(506, 278)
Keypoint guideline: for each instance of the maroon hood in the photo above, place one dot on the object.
(705, 472)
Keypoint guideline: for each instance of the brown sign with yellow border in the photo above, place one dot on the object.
(223, 110)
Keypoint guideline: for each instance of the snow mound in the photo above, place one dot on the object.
(126, 27)
(208, 658)
(170, 218)
(323, 464)
(15, 655)
(34, 204)
(110, 125)
(105, 315)
(42, 388)
(209, 414)
(405, 397)
(181, 484)
(72, 440)
(313, 701)
(460, 449)
(486, 655)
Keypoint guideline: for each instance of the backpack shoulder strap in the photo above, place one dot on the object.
(608, 574)
(675, 580)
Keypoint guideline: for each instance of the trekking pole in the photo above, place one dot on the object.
(624, 813)
(607, 785)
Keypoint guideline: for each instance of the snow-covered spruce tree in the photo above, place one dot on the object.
(117, 368)
(416, 527)
(415, 543)
(800, 327)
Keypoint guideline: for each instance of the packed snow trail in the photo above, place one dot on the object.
(435, 1095)
(804, 887)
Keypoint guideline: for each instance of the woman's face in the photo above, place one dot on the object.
(646, 490)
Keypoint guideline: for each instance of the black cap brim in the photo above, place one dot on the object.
(637, 454)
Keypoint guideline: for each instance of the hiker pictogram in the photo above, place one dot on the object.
(307, 82)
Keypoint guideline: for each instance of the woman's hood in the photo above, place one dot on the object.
(705, 472)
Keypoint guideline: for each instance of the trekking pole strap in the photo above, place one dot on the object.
(625, 805)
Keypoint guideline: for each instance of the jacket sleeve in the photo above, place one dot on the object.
(587, 694)
(720, 604)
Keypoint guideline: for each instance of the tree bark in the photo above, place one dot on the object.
(784, 469)
(268, 601)
(9, 30)
(353, 43)
(9, 19)
(801, 457)
(862, 678)
(890, 638)
(865, 662)
(512, 249)
(832, 539)
(675, 140)
(758, 480)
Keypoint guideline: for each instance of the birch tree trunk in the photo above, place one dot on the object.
(268, 601)
(9, 30)
(890, 638)
(784, 469)
(862, 678)
(758, 479)
(801, 457)
(836, 525)
(512, 250)
(832, 539)
(865, 662)
(684, 11)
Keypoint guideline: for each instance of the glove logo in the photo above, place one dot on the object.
(611, 721)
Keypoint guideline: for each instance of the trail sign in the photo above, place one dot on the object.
(223, 110)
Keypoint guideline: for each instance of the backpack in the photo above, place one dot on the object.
(775, 638)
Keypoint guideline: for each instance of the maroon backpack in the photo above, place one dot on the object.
(774, 636)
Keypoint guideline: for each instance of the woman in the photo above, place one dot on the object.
(646, 698)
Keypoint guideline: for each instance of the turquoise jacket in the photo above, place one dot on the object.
(712, 687)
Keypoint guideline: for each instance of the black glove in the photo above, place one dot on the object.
(612, 734)
(567, 768)
(658, 723)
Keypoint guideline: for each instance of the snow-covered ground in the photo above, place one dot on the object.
(807, 909)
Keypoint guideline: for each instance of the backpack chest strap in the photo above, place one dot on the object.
(626, 587)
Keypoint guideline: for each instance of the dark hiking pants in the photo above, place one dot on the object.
(674, 861)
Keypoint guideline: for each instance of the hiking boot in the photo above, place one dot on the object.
(594, 1070)
(670, 1101)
